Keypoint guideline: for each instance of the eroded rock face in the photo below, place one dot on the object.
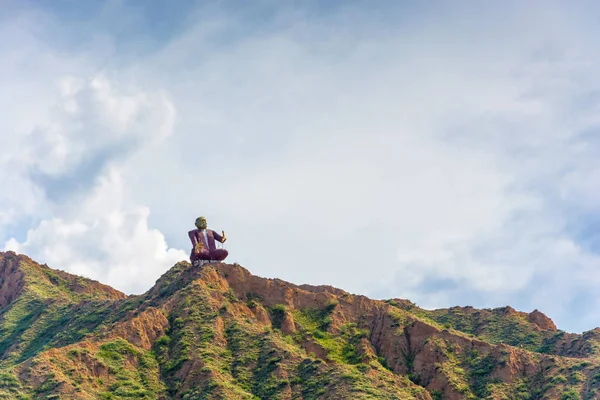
(11, 278)
(142, 329)
(217, 331)
(541, 320)
(19, 271)
(287, 325)
(420, 349)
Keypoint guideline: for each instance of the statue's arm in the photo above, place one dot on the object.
(196, 245)
(220, 238)
(193, 238)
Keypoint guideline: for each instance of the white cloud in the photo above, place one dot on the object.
(450, 161)
(93, 118)
(105, 239)
(453, 151)
(65, 176)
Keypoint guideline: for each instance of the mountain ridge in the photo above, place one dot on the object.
(18, 272)
(218, 331)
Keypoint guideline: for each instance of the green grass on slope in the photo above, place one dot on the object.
(141, 382)
(124, 371)
(48, 314)
(31, 324)
(16, 320)
(502, 326)
(231, 356)
(215, 348)
(470, 373)
(190, 340)
(47, 283)
(10, 387)
(340, 348)
(492, 326)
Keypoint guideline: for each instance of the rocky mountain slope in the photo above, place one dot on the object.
(218, 332)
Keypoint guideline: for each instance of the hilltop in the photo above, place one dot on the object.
(219, 332)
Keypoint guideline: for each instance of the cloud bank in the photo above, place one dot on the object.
(445, 155)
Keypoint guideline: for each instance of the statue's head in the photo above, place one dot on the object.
(201, 223)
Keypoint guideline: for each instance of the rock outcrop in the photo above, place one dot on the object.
(541, 320)
(11, 278)
(218, 331)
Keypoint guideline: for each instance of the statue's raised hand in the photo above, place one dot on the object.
(224, 238)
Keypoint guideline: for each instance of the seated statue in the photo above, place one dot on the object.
(203, 244)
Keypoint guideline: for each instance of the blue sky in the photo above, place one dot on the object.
(443, 153)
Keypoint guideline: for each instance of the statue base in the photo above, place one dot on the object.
(199, 263)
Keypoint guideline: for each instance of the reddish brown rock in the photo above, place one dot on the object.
(11, 278)
(541, 320)
(417, 351)
(288, 326)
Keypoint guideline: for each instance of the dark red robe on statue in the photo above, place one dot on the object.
(209, 250)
